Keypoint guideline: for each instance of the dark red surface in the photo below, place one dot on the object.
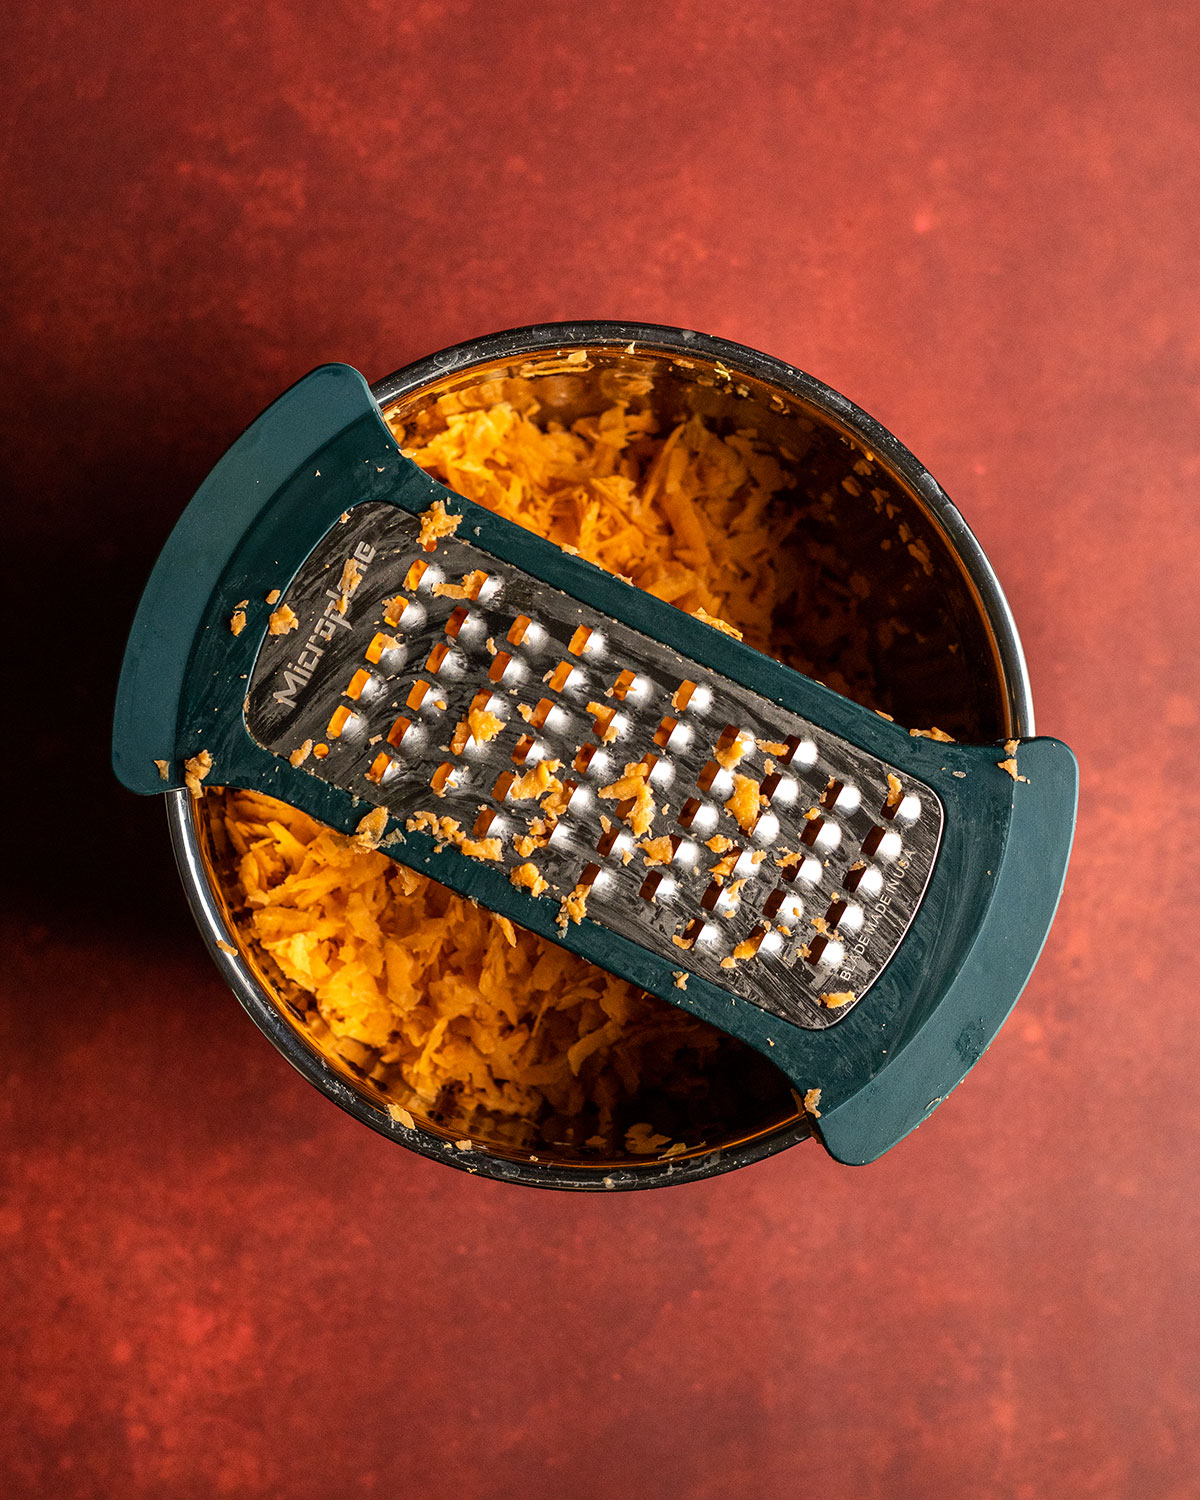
(980, 221)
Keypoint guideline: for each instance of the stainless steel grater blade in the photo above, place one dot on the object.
(378, 678)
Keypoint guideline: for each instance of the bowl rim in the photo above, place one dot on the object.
(182, 810)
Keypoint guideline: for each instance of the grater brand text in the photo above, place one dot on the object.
(297, 674)
(858, 951)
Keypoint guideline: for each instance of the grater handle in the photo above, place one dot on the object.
(977, 999)
(290, 434)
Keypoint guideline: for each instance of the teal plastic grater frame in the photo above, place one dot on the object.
(999, 871)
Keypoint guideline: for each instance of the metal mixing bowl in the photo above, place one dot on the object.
(950, 656)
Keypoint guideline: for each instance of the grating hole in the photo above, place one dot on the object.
(458, 740)
(416, 694)
(816, 948)
(687, 813)
(579, 641)
(650, 885)
(870, 845)
(833, 790)
(711, 896)
(378, 767)
(888, 847)
(812, 829)
(707, 776)
(357, 683)
(541, 713)
(829, 837)
(591, 873)
(379, 644)
(751, 944)
(602, 723)
(436, 657)
(394, 609)
(662, 735)
(558, 678)
(500, 665)
(442, 776)
(340, 718)
(624, 684)
(584, 758)
(837, 910)
(521, 749)
(414, 575)
(456, 621)
(773, 902)
(607, 841)
(692, 931)
(517, 630)
(487, 816)
(398, 730)
(503, 785)
(682, 696)
(729, 737)
(799, 751)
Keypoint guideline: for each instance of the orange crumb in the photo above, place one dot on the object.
(436, 524)
(717, 623)
(527, 876)
(467, 589)
(658, 851)
(195, 769)
(536, 783)
(1010, 765)
(485, 725)
(352, 576)
(732, 754)
(370, 829)
(281, 620)
(745, 803)
(301, 753)
(573, 908)
(634, 786)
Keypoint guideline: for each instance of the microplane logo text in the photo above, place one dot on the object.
(298, 673)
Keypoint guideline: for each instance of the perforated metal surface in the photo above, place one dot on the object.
(806, 896)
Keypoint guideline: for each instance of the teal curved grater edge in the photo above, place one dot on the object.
(949, 930)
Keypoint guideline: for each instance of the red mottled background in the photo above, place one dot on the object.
(978, 220)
